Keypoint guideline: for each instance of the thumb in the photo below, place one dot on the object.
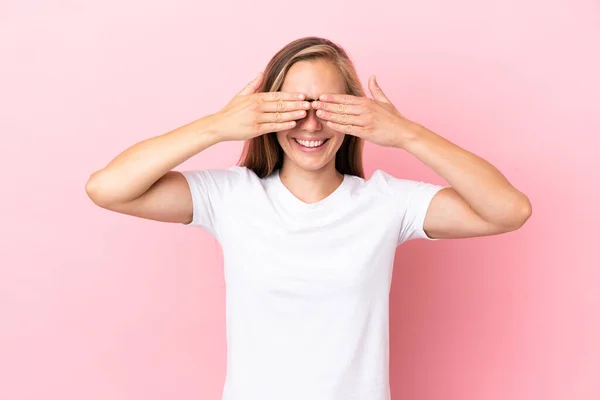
(253, 85)
(376, 91)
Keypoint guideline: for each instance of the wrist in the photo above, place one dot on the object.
(410, 135)
(208, 127)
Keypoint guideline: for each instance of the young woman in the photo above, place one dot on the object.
(308, 243)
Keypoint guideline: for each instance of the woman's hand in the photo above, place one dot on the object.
(376, 120)
(250, 114)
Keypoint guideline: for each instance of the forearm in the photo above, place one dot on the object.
(478, 182)
(135, 170)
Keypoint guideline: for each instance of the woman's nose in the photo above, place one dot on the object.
(311, 122)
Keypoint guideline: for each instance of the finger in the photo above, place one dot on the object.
(376, 91)
(340, 118)
(341, 98)
(274, 127)
(285, 96)
(253, 85)
(281, 116)
(353, 130)
(340, 108)
(274, 106)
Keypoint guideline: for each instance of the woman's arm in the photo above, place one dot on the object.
(139, 181)
(480, 201)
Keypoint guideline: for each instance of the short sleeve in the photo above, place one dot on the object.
(210, 189)
(411, 200)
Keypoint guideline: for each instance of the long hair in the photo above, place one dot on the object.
(263, 154)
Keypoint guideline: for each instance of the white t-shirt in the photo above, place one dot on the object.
(307, 285)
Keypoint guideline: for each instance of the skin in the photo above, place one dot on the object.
(311, 176)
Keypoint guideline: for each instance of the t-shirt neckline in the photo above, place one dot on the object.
(298, 205)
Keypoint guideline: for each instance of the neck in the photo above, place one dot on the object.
(311, 186)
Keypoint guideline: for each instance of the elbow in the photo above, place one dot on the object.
(520, 215)
(95, 191)
(525, 210)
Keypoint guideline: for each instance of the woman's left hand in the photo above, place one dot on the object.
(375, 120)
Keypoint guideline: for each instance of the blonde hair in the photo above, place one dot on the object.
(263, 154)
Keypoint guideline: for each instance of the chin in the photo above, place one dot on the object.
(308, 165)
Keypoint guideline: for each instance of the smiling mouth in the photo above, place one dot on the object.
(311, 144)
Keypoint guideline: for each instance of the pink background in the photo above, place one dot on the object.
(97, 305)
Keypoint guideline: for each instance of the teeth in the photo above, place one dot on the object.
(311, 143)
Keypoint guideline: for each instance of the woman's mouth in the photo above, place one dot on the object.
(310, 145)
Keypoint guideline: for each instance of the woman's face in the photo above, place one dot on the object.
(311, 144)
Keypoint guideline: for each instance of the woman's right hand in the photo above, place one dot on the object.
(250, 114)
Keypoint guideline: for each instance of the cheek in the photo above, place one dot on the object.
(339, 139)
(282, 138)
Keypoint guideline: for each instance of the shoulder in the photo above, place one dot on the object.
(224, 179)
(383, 183)
(400, 189)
